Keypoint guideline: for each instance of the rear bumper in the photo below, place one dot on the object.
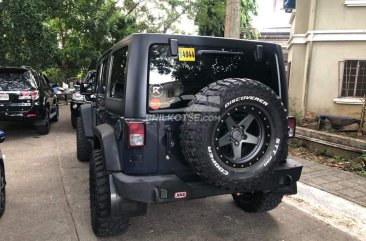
(17, 116)
(32, 114)
(166, 188)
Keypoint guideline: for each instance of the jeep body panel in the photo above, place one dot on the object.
(162, 157)
(158, 172)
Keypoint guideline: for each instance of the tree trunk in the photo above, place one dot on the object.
(232, 19)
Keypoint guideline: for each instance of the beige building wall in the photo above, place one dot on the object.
(302, 17)
(296, 82)
(334, 14)
(324, 78)
(324, 32)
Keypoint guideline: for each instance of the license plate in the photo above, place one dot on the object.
(4, 96)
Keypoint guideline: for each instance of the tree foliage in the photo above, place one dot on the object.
(24, 37)
(209, 16)
(66, 37)
(86, 28)
(158, 16)
(66, 34)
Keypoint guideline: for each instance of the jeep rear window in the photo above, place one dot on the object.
(173, 82)
(17, 81)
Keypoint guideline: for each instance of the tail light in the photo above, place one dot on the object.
(136, 134)
(291, 127)
(35, 95)
(27, 95)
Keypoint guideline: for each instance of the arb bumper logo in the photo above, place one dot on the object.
(178, 195)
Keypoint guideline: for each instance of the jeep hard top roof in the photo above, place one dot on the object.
(150, 38)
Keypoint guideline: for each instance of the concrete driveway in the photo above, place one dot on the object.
(48, 199)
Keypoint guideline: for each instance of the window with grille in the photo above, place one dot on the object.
(353, 78)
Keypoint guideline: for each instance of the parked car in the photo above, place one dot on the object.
(183, 117)
(78, 99)
(26, 95)
(2, 178)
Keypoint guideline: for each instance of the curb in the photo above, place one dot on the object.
(335, 211)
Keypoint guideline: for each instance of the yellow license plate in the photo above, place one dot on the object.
(187, 54)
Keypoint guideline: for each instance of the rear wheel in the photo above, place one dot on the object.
(103, 223)
(57, 111)
(2, 191)
(44, 129)
(83, 146)
(257, 202)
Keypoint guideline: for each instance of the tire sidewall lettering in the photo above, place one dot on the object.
(273, 152)
(216, 164)
(246, 97)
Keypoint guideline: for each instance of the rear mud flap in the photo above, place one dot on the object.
(124, 207)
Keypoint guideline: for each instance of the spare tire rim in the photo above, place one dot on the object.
(242, 136)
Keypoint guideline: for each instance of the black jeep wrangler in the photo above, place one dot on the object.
(26, 95)
(78, 99)
(183, 117)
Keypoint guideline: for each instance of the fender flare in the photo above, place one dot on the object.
(105, 139)
(86, 113)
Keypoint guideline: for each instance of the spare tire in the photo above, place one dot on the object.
(234, 132)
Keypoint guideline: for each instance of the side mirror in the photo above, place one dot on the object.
(2, 136)
(86, 89)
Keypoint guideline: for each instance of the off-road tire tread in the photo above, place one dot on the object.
(56, 117)
(44, 129)
(103, 224)
(263, 202)
(83, 146)
(191, 132)
(73, 120)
